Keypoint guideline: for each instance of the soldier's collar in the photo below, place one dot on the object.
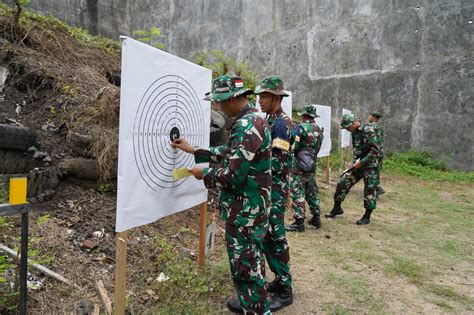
(244, 110)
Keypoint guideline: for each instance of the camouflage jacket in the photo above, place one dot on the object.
(282, 139)
(367, 145)
(308, 135)
(244, 175)
(381, 137)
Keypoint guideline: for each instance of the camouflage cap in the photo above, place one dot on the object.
(309, 110)
(226, 87)
(347, 120)
(272, 85)
(376, 114)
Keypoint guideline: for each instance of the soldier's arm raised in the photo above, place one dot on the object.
(213, 154)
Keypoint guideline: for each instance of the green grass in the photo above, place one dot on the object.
(423, 165)
(357, 289)
(188, 290)
(407, 267)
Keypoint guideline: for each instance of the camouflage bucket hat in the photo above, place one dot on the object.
(347, 120)
(376, 114)
(226, 87)
(309, 110)
(272, 85)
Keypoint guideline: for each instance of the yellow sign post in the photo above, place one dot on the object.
(17, 204)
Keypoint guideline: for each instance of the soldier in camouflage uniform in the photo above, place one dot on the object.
(367, 155)
(374, 118)
(244, 181)
(275, 245)
(303, 185)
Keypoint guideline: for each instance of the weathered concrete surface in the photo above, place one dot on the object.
(411, 59)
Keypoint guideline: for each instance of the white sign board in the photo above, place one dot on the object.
(161, 99)
(345, 135)
(324, 121)
(286, 105)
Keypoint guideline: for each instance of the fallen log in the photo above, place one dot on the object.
(18, 138)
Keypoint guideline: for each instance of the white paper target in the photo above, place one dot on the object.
(168, 110)
(286, 105)
(324, 121)
(161, 100)
(345, 135)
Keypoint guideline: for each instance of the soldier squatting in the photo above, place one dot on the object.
(253, 178)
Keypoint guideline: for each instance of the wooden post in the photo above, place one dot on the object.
(327, 168)
(202, 235)
(341, 151)
(120, 272)
(17, 196)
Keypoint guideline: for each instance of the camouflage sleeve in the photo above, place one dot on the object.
(246, 141)
(319, 141)
(213, 154)
(372, 158)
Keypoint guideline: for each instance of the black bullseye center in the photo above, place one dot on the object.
(174, 134)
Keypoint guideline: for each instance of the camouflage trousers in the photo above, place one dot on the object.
(247, 266)
(304, 188)
(371, 178)
(275, 245)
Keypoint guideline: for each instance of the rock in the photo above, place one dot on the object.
(41, 197)
(89, 245)
(80, 144)
(39, 155)
(84, 307)
(218, 130)
(47, 159)
(4, 72)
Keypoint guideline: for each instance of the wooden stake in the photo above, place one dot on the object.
(120, 272)
(202, 235)
(327, 168)
(104, 297)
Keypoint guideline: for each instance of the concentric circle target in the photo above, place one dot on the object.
(169, 109)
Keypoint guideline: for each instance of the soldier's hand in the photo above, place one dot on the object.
(183, 145)
(357, 164)
(197, 172)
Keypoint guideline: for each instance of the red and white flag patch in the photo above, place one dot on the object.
(239, 83)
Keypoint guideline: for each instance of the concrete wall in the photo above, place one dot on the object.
(410, 59)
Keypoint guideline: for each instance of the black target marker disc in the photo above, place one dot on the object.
(169, 109)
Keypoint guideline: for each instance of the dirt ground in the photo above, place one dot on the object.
(414, 257)
(344, 268)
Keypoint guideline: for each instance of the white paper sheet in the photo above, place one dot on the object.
(161, 95)
(324, 121)
(345, 135)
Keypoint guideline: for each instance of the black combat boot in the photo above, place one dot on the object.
(284, 296)
(297, 226)
(316, 221)
(273, 286)
(380, 191)
(365, 218)
(336, 210)
(234, 305)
